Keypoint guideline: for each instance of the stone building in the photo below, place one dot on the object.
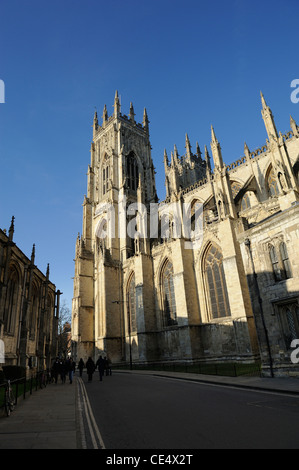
(29, 308)
(223, 287)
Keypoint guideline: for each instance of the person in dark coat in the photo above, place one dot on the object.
(101, 366)
(56, 369)
(90, 367)
(81, 366)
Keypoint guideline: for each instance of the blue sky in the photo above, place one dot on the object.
(190, 63)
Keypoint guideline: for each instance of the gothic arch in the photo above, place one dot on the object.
(11, 309)
(167, 294)
(105, 173)
(214, 282)
(271, 182)
(131, 303)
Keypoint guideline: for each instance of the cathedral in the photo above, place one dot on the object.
(210, 274)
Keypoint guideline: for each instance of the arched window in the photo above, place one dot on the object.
(285, 261)
(105, 178)
(131, 304)
(272, 184)
(235, 188)
(168, 297)
(245, 204)
(11, 302)
(132, 172)
(275, 263)
(216, 284)
(289, 316)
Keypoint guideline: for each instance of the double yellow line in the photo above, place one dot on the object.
(85, 410)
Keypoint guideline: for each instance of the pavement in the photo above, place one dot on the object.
(51, 418)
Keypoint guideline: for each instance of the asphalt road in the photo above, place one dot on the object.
(149, 412)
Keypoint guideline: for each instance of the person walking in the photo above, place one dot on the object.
(70, 369)
(56, 369)
(101, 366)
(90, 367)
(81, 366)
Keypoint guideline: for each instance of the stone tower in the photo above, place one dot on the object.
(119, 177)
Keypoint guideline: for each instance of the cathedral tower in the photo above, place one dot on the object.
(119, 177)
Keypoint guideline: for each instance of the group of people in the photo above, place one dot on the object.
(64, 368)
(103, 365)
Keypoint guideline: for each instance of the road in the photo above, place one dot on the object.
(134, 411)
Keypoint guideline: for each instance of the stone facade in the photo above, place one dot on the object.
(228, 292)
(29, 308)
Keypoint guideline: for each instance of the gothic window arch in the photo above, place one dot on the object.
(131, 304)
(105, 178)
(215, 283)
(168, 296)
(280, 261)
(235, 187)
(275, 263)
(272, 183)
(245, 203)
(132, 172)
(196, 212)
(11, 302)
(287, 272)
(289, 318)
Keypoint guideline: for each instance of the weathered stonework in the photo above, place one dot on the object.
(153, 299)
(29, 308)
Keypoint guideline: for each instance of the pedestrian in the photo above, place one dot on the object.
(90, 367)
(56, 369)
(70, 368)
(109, 367)
(62, 370)
(81, 366)
(101, 366)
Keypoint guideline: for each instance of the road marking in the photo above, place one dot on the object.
(92, 425)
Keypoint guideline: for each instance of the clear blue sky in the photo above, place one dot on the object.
(191, 63)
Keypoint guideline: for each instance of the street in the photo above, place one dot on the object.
(134, 411)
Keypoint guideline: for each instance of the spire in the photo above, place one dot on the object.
(198, 152)
(268, 119)
(95, 120)
(145, 120)
(208, 160)
(132, 114)
(116, 105)
(166, 162)
(264, 104)
(105, 114)
(216, 151)
(11, 228)
(48, 272)
(247, 152)
(294, 127)
(188, 148)
(33, 255)
(175, 154)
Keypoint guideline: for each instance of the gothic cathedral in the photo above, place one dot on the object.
(147, 291)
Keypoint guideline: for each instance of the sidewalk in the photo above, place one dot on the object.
(44, 420)
(49, 418)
